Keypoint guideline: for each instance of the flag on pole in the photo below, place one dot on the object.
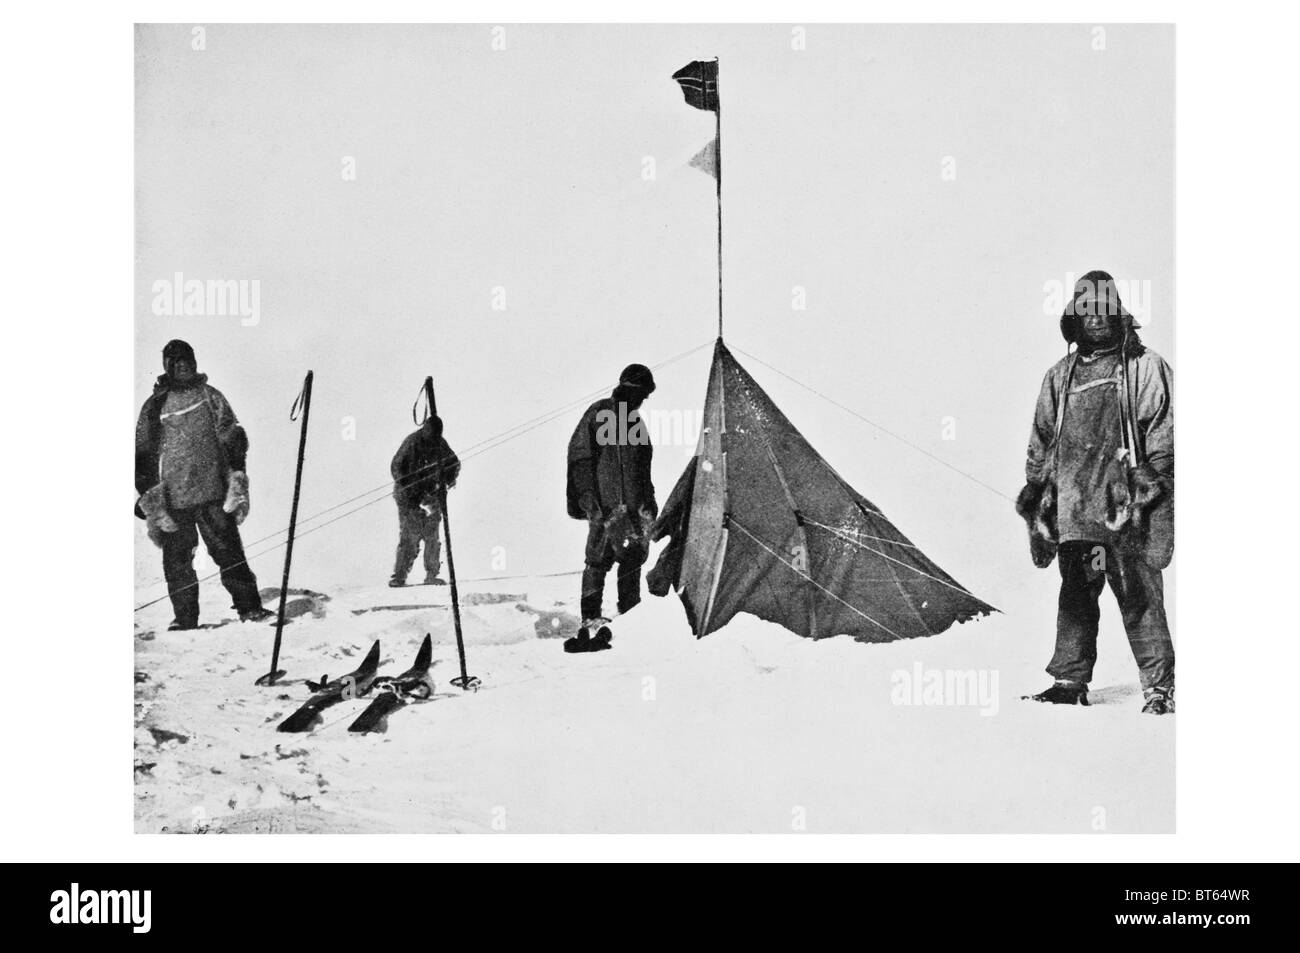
(706, 160)
(699, 82)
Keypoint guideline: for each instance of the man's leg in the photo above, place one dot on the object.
(599, 558)
(1083, 576)
(1140, 592)
(629, 578)
(221, 536)
(408, 541)
(178, 568)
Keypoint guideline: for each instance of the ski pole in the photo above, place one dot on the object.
(464, 681)
(303, 402)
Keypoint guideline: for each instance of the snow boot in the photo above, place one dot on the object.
(433, 579)
(1159, 701)
(256, 614)
(396, 583)
(1062, 693)
(182, 625)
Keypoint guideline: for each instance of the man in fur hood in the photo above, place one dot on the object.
(189, 471)
(423, 468)
(609, 486)
(1099, 492)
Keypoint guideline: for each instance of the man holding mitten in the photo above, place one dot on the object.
(609, 486)
(190, 454)
(1099, 492)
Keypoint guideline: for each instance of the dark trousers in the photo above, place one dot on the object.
(1086, 569)
(601, 557)
(221, 538)
(414, 528)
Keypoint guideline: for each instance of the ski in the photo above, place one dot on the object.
(395, 691)
(326, 693)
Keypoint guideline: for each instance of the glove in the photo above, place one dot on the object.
(236, 502)
(1036, 505)
(1146, 488)
(1150, 528)
(590, 506)
(625, 532)
(157, 520)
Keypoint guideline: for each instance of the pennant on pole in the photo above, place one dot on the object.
(699, 82)
(706, 160)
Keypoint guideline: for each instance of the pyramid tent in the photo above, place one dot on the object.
(760, 523)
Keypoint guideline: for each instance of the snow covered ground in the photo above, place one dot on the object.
(749, 730)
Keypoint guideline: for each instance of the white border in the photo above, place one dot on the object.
(67, 794)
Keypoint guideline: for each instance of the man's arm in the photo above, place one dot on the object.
(1043, 431)
(146, 454)
(650, 502)
(582, 466)
(449, 465)
(400, 469)
(1155, 415)
(231, 436)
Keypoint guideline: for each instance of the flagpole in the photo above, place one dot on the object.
(717, 93)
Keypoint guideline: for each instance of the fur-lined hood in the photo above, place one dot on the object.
(1096, 290)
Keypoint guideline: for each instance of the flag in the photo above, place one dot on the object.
(706, 160)
(699, 82)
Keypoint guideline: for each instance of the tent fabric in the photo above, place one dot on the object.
(774, 531)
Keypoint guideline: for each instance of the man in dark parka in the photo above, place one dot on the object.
(609, 486)
(189, 471)
(1099, 492)
(423, 469)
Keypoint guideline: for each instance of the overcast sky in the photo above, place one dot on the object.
(523, 169)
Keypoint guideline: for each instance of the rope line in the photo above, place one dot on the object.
(777, 556)
(848, 539)
(857, 535)
(471, 451)
(540, 420)
(475, 450)
(903, 440)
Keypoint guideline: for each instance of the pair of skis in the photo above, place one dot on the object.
(395, 691)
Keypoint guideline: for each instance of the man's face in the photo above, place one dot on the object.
(1099, 328)
(182, 370)
(1098, 323)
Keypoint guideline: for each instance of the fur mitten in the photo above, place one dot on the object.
(153, 504)
(1036, 505)
(590, 507)
(237, 502)
(625, 531)
(1148, 488)
(1150, 524)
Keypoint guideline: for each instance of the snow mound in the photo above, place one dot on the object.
(749, 730)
